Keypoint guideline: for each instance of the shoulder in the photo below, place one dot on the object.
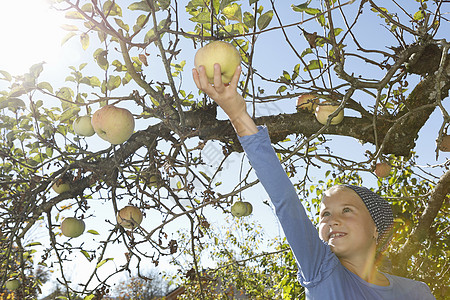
(413, 286)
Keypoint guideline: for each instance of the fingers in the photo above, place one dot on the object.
(235, 80)
(217, 77)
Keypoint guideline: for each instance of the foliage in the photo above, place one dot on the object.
(150, 286)
(136, 54)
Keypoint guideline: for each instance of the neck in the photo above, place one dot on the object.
(364, 266)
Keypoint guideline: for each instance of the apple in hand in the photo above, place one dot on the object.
(12, 284)
(222, 53)
(445, 144)
(382, 170)
(129, 217)
(323, 111)
(72, 227)
(61, 186)
(307, 102)
(82, 126)
(113, 124)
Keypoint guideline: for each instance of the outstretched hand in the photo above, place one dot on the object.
(227, 97)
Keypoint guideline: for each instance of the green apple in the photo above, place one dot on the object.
(239, 209)
(61, 186)
(113, 124)
(324, 111)
(249, 208)
(12, 284)
(72, 227)
(82, 126)
(222, 53)
(382, 169)
(129, 217)
(307, 102)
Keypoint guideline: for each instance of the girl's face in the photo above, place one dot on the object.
(345, 223)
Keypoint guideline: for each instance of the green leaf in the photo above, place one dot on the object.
(6, 76)
(94, 232)
(100, 57)
(122, 24)
(301, 7)
(87, 7)
(264, 19)
(36, 70)
(233, 12)
(89, 258)
(140, 6)
(90, 297)
(205, 176)
(419, 15)
(68, 27)
(33, 244)
(103, 262)
(113, 82)
(74, 15)
(67, 37)
(12, 103)
(111, 8)
(49, 151)
(69, 113)
(249, 20)
(313, 65)
(84, 39)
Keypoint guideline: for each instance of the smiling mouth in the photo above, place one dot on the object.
(337, 235)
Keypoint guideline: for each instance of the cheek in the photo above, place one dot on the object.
(323, 232)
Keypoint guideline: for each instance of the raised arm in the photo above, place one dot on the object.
(309, 251)
(227, 97)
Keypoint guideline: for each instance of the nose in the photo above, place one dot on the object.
(334, 221)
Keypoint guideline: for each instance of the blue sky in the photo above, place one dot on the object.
(36, 44)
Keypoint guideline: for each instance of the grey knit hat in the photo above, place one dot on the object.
(381, 213)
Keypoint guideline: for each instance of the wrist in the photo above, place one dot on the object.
(243, 124)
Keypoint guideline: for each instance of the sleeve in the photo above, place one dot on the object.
(314, 258)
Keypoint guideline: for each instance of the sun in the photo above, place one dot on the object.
(30, 33)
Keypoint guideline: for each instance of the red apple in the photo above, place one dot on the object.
(326, 109)
(129, 217)
(382, 170)
(113, 124)
(307, 102)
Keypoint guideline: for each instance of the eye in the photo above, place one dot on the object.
(325, 214)
(346, 209)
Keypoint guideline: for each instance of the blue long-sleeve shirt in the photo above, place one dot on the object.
(320, 271)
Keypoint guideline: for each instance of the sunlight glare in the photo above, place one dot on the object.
(30, 33)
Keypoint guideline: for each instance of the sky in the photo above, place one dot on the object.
(33, 34)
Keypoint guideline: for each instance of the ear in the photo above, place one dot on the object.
(375, 234)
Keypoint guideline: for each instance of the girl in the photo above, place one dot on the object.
(339, 261)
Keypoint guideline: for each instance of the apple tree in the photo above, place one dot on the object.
(385, 65)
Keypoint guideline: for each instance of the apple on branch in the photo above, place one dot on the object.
(82, 126)
(382, 170)
(61, 185)
(324, 110)
(129, 217)
(307, 102)
(222, 53)
(12, 284)
(72, 227)
(241, 209)
(113, 124)
(445, 144)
